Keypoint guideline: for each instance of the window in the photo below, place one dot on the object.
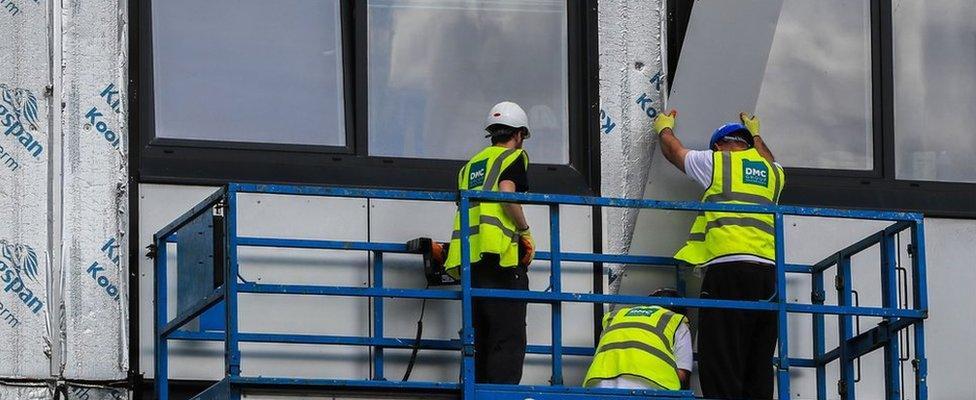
(248, 71)
(428, 98)
(377, 93)
(935, 90)
(816, 92)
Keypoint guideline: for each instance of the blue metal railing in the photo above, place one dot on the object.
(851, 347)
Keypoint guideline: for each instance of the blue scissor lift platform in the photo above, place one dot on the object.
(221, 293)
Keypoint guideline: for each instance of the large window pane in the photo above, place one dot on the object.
(935, 90)
(437, 67)
(248, 71)
(815, 100)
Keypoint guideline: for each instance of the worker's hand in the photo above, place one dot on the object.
(527, 245)
(665, 120)
(437, 252)
(751, 123)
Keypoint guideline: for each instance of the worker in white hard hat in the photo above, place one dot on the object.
(501, 247)
(736, 251)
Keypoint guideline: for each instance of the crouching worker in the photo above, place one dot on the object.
(643, 347)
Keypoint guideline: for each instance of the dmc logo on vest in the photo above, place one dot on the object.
(755, 173)
(476, 175)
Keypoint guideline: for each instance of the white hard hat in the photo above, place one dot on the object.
(508, 114)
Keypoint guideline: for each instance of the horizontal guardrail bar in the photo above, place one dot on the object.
(193, 311)
(340, 383)
(314, 290)
(545, 297)
(321, 244)
(390, 343)
(536, 198)
(194, 212)
(402, 248)
(378, 194)
(528, 391)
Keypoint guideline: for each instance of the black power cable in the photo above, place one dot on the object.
(416, 342)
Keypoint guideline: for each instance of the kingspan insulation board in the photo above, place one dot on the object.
(26, 146)
(78, 392)
(95, 190)
(632, 80)
(31, 392)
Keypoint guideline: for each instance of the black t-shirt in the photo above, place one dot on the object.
(517, 174)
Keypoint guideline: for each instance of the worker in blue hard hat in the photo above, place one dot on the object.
(736, 252)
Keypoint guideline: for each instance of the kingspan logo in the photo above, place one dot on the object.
(18, 267)
(18, 114)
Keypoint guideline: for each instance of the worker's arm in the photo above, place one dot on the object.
(752, 124)
(513, 210)
(760, 146)
(671, 147)
(684, 355)
(685, 377)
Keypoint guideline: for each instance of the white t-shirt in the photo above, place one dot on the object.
(683, 354)
(698, 166)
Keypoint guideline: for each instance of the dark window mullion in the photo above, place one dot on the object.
(359, 67)
(884, 32)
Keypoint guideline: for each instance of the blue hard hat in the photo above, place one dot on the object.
(726, 130)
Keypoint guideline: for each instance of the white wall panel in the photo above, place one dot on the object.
(276, 217)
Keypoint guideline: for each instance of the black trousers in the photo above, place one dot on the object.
(735, 347)
(499, 325)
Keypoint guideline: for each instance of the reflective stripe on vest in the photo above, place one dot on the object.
(638, 341)
(491, 230)
(742, 177)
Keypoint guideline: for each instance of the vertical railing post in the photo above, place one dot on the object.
(232, 351)
(819, 341)
(783, 367)
(889, 299)
(921, 303)
(467, 328)
(378, 316)
(845, 327)
(555, 282)
(161, 350)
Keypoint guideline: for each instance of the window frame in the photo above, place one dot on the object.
(185, 161)
(877, 188)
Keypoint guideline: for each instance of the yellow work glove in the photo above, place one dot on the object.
(526, 248)
(665, 120)
(751, 123)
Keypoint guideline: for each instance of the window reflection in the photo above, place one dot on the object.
(815, 100)
(935, 90)
(248, 71)
(437, 67)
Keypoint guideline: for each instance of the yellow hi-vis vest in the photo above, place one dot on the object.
(637, 341)
(492, 231)
(738, 177)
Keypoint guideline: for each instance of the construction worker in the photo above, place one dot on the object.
(498, 232)
(736, 251)
(643, 347)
